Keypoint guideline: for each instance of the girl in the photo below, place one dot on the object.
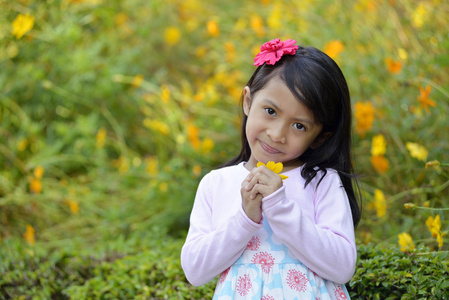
(275, 239)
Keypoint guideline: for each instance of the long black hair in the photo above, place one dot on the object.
(318, 83)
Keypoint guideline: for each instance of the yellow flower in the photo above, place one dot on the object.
(120, 19)
(21, 25)
(22, 144)
(406, 242)
(420, 15)
(172, 35)
(157, 125)
(163, 187)
(393, 66)
(423, 98)
(276, 16)
(364, 117)
(212, 28)
(380, 203)
(165, 93)
(29, 235)
(434, 225)
(333, 48)
(207, 145)
(417, 151)
(137, 80)
(402, 54)
(275, 167)
(378, 145)
(73, 205)
(152, 166)
(101, 137)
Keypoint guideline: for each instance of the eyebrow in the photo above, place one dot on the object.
(296, 119)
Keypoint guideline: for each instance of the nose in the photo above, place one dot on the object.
(277, 134)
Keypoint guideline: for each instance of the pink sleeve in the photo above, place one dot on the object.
(209, 251)
(325, 241)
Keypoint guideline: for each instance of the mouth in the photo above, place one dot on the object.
(269, 149)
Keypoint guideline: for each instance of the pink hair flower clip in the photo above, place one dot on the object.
(272, 51)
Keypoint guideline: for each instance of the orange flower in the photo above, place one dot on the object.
(333, 48)
(39, 172)
(364, 117)
(380, 163)
(192, 135)
(196, 171)
(393, 66)
(212, 28)
(423, 98)
(257, 25)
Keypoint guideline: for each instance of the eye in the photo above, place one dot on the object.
(270, 111)
(299, 127)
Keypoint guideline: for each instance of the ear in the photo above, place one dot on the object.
(246, 100)
(320, 139)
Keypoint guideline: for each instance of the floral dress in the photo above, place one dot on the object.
(267, 271)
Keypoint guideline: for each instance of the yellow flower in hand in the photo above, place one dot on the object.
(275, 167)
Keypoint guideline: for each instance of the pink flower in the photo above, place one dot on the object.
(244, 285)
(253, 244)
(297, 280)
(265, 260)
(272, 51)
(266, 297)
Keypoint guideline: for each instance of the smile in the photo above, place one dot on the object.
(269, 149)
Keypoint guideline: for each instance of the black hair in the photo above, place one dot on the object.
(318, 83)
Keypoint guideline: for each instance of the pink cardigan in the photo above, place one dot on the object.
(314, 223)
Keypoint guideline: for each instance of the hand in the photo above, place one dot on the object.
(251, 206)
(262, 181)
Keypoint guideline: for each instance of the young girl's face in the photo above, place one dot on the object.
(279, 127)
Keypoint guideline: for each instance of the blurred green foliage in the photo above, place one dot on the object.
(112, 111)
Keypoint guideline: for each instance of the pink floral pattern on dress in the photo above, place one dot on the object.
(297, 280)
(253, 244)
(224, 274)
(266, 297)
(265, 260)
(243, 285)
(340, 293)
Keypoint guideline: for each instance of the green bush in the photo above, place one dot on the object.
(147, 266)
(392, 274)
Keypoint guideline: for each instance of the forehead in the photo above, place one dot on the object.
(277, 93)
